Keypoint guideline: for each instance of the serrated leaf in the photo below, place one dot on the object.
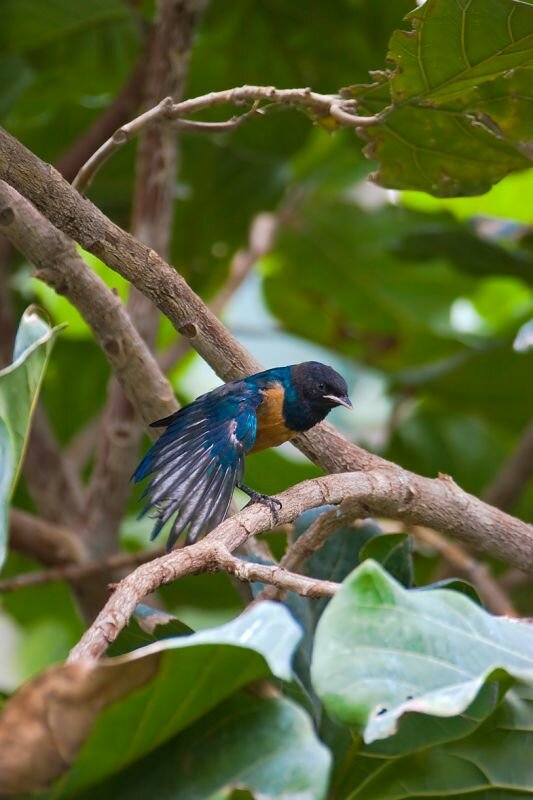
(452, 95)
(266, 746)
(144, 698)
(382, 651)
(19, 388)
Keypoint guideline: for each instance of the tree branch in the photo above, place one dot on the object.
(508, 485)
(389, 492)
(59, 264)
(42, 540)
(261, 239)
(117, 113)
(279, 577)
(472, 521)
(311, 103)
(74, 572)
(79, 218)
(308, 543)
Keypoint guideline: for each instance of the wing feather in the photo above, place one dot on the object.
(197, 461)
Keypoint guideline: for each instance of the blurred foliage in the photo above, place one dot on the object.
(417, 298)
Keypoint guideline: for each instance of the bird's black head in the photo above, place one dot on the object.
(315, 390)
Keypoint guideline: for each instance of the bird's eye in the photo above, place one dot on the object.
(321, 387)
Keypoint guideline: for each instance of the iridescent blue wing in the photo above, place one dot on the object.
(196, 463)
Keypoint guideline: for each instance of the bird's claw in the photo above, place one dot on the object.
(273, 504)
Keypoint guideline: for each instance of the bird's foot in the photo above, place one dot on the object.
(256, 497)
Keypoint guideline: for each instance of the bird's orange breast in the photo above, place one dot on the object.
(271, 427)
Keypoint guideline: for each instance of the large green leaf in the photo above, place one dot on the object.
(191, 674)
(493, 762)
(453, 95)
(19, 388)
(382, 651)
(266, 746)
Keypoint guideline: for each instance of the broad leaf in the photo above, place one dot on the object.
(393, 552)
(451, 90)
(266, 746)
(19, 388)
(494, 761)
(382, 651)
(144, 698)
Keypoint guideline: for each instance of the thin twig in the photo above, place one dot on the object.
(308, 543)
(312, 103)
(281, 578)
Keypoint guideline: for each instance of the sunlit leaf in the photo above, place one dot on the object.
(382, 651)
(450, 93)
(19, 388)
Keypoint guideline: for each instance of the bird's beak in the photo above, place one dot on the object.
(339, 401)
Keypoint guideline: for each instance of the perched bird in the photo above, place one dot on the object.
(199, 460)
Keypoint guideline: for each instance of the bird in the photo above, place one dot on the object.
(198, 461)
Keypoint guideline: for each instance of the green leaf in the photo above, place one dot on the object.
(382, 651)
(483, 39)
(19, 388)
(393, 552)
(336, 278)
(26, 27)
(452, 96)
(192, 675)
(494, 761)
(266, 746)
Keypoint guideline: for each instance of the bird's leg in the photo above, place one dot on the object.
(265, 499)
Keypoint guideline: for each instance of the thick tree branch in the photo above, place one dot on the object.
(487, 528)
(79, 218)
(59, 264)
(311, 103)
(389, 492)
(261, 239)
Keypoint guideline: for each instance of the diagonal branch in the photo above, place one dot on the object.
(390, 492)
(261, 239)
(488, 529)
(59, 264)
(140, 265)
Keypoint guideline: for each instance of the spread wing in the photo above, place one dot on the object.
(196, 463)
